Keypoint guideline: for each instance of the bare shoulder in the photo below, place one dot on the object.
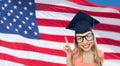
(100, 52)
(101, 55)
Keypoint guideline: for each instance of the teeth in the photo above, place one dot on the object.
(86, 46)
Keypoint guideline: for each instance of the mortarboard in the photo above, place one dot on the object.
(82, 23)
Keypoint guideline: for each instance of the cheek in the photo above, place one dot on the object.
(79, 45)
(91, 45)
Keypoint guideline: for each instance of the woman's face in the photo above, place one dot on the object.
(85, 40)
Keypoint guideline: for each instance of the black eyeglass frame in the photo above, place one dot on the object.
(84, 37)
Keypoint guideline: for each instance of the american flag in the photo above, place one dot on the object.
(32, 32)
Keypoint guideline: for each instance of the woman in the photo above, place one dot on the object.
(85, 52)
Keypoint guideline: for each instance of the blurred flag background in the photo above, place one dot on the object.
(32, 31)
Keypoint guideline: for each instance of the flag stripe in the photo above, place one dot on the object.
(70, 39)
(63, 31)
(80, 7)
(18, 46)
(62, 16)
(111, 63)
(9, 63)
(27, 62)
(54, 45)
(36, 62)
(108, 41)
(62, 23)
(111, 55)
(22, 46)
(56, 8)
(33, 55)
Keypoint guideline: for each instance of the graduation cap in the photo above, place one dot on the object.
(82, 23)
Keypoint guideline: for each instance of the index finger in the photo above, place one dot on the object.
(66, 40)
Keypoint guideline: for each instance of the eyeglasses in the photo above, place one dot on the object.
(88, 37)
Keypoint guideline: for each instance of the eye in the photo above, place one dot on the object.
(78, 37)
(89, 35)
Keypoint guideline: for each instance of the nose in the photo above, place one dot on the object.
(85, 41)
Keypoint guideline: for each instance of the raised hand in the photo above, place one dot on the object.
(67, 48)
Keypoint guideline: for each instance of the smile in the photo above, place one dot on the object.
(86, 46)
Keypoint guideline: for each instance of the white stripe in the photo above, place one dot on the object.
(51, 44)
(77, 6)
(48, 58)
(38, 43)
(43, 57)
(109, 48)
(33, 55)
(63, 31)
(111, 63)
(9, 63)
(69, 17)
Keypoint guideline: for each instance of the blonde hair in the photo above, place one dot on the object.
(94, 49)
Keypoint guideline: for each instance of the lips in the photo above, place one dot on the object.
(86, 46)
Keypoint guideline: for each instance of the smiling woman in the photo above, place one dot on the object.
(114, 3)
(85, 52)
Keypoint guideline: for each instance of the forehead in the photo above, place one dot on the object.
(83, 33)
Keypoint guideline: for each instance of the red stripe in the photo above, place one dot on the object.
(56, 8)
(106, 27)
(28, 62)
(27, 47)
(57, 38)
(62, 23)
(111, 55)
(108, 41)
(86, 3)
(51, 22)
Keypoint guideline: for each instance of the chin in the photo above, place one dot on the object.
(87, 49)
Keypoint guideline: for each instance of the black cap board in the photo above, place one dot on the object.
(82, 23)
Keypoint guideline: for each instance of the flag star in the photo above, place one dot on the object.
(29, 27)
(5, 5)
(31, 14)
(19, 2)
(25, 8)
(30, 3)
(7, 27)
(11, 11)
(26, 18)
(10, 24)
(35, 33)
(21, 13)
(25, 32)
(3, 8)
(4, 18)
(9, 1)
(14, 20)
(15, 7)
(1, 22)
(23, 22)
(33, 24)
(20, 26)
(8, 14)
(16, 29)
(17, 16)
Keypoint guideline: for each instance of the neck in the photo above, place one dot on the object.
(87, 51)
